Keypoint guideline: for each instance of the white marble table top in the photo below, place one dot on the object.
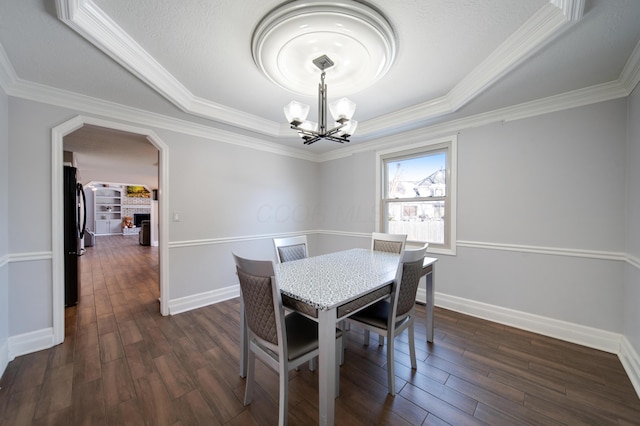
(333, 279)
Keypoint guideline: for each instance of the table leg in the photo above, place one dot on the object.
(326, 365)
(429, 307)
(244, 346)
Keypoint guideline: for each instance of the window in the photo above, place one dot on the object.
(417, 193)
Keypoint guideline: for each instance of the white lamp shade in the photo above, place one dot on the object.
(296, 112)
(310, 126)
(349, 128)
(342, 108)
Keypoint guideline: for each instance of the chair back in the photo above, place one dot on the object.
(261, 297)
(407, 280)
(290, 248)
(390, 243)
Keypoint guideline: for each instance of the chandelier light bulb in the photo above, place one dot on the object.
(342, 109)
(296, 113)
(348, 129)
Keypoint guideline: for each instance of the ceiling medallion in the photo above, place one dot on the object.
(359, 40)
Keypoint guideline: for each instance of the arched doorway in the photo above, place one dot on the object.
(57, 137)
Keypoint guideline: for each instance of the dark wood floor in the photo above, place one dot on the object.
(123, 363)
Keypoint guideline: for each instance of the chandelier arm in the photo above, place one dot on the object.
(324, 134)
(329, 138)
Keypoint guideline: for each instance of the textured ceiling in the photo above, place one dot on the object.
(191, 60)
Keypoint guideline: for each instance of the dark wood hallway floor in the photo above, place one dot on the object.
(122, 363)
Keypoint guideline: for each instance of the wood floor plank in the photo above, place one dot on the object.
(56, 391)
(125, 413)
(122, 363)
(223, 403)
(438, 407)
(110, 347)
(177, 381)
(139, 360)
(31, 372)
(117, 381)
(88, 407)
(155, 402)
(194, 410)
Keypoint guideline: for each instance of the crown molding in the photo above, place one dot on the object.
(630, 75)
(577, 98)
(573, 10)
(86, 104)
(7, 73)
(89, 105)
(92, 23)
(88, 20)
(545, 25)
(621, 87)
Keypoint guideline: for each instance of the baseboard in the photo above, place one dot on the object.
(196, 301)
(27, 343)
(630, 360)
(586, 336)
(4, 357)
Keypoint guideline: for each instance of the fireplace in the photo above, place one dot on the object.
(139, 217)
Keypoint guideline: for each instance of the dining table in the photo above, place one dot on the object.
(329, 288)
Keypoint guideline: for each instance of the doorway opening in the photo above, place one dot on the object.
(58, 146)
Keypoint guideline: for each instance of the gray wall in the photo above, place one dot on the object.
(4, 226)
(222, 193)
(631, 326)
(552, 182)
(30, 272)
(225, 192)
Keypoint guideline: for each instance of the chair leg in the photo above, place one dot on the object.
(345, 327)
(312, 364)
(412, 346)
(380, 340)
(366, 337)
(251, 366)
(391, 379)
(283, 408)
(339, 352)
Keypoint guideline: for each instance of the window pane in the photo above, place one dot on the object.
(420, 220)
(423, 176)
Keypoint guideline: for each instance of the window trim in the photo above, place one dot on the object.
(451, 144)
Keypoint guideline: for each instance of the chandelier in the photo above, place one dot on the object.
(342, 110)
(287, 45)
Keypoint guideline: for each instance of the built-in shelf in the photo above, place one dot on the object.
(107, 208)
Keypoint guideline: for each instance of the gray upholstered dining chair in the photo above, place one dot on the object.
(392, 317)
(282, 342)
(295, 248)
(391, 243)
(291, 248)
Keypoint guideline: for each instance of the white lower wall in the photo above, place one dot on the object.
(27, 272)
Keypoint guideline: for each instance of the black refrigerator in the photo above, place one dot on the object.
(75, 213)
